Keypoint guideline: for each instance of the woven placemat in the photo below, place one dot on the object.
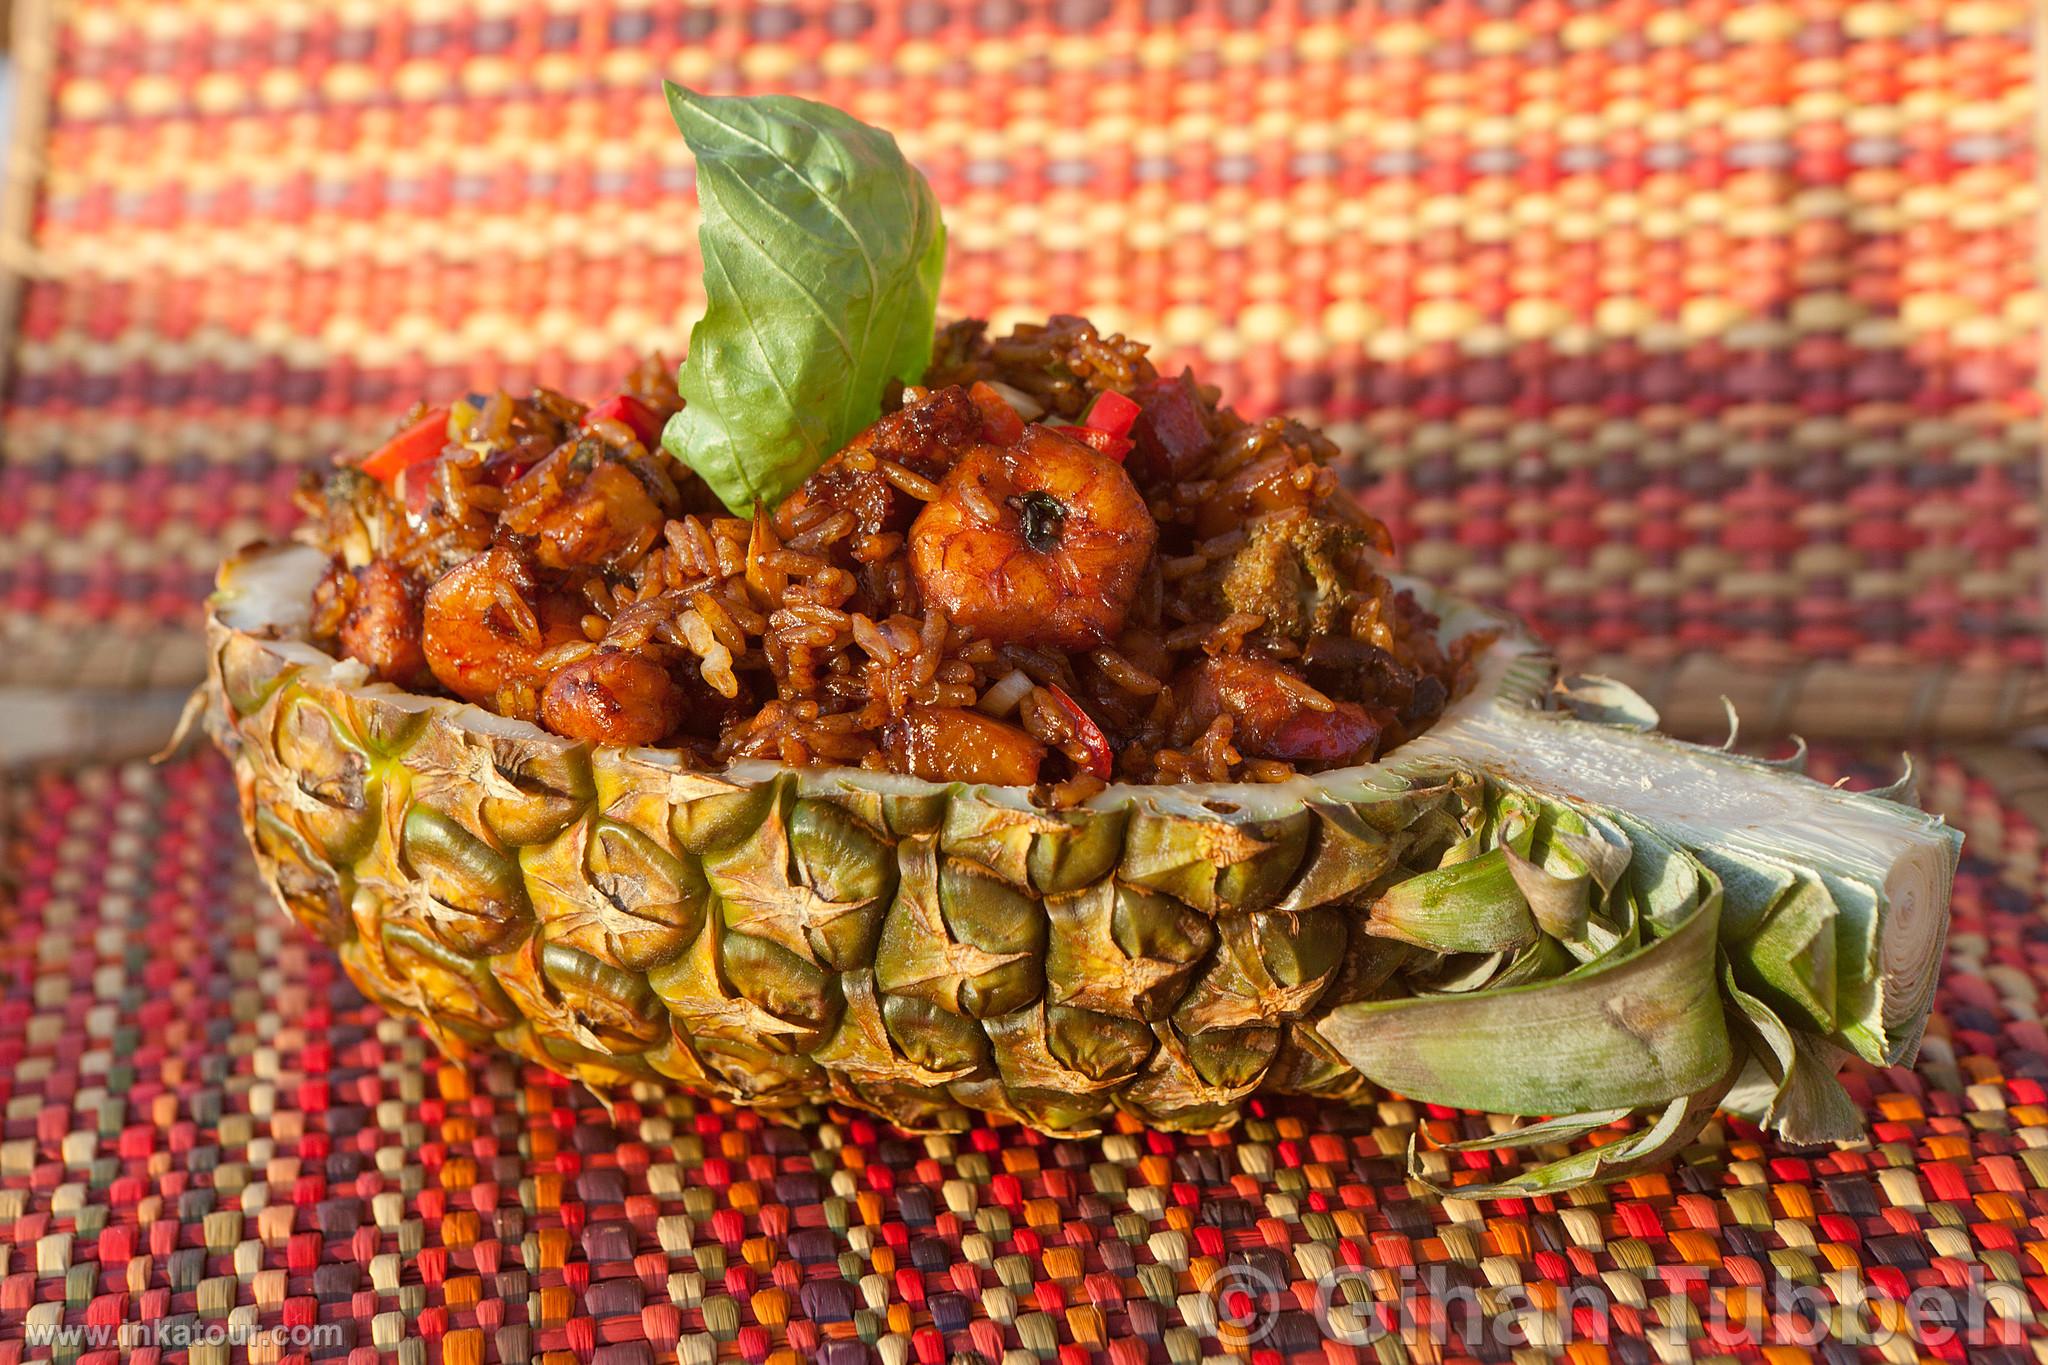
(209, 1138)
(1694, 329)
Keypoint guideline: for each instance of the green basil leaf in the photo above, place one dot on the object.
(822, 255)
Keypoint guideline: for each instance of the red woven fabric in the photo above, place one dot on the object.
(206, 1131)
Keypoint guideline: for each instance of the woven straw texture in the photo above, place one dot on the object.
(207, 1132)
(1682, 327)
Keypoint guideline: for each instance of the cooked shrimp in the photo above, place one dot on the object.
(922, 438)
(612, 698)
(382, 627)
(1276, 714)
(949, 744)
(1041, 542)
(586, 509)
(487, 622)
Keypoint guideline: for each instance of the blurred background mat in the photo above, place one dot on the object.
(1704, 334)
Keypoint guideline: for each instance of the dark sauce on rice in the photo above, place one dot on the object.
(1214, 610)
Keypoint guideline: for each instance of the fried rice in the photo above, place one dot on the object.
(551, 563)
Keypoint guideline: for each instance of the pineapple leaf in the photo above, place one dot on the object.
(1624, 1033)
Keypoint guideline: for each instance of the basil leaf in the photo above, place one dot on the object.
(822, 254)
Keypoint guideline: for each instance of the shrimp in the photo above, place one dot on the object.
(612, 698)
(1275, 714)
(948, 744)
(487, 622)
(382, 628)
(1041, 542)
(590, 509)
(921, 438)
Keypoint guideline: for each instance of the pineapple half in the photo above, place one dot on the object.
(1537, 908)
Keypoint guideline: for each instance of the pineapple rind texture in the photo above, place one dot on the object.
(919, 955)
(1454, 929)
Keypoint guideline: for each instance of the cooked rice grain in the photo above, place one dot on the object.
(807, 618)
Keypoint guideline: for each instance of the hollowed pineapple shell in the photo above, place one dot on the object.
(1536, 908)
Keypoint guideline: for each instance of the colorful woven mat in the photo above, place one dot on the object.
(1696, 325)
(211, 1142)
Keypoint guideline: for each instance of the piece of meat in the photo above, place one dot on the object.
(924, 438)
(1043, 542)
(1272, 717)
(1297, 570)
(1276, 481)
(1170, 439)
(584, 509)
(382, 627)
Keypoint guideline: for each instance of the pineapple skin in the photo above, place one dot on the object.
(1538, 907)
(912, 950)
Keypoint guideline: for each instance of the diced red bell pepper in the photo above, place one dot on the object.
(424, 440)
(624, 407)
(1101, 758)
(1111, 412)
(1115, 447)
